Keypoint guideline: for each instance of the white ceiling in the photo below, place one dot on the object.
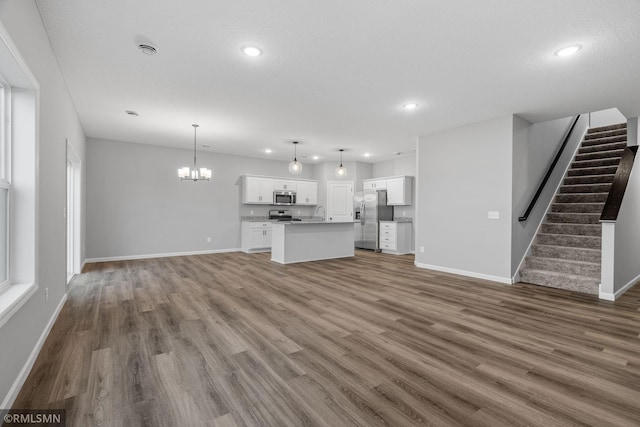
(336, 73)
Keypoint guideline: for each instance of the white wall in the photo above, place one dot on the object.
(534, 147)
(462, 174)
(136, 205)
(57, 121)
(611, 116)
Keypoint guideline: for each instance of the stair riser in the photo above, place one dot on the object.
(562, 266)
(601, 129)
(573, 218)
(594, 208)
(573, 229)
(611, 161)
(599, 155)
(596, 148)
(587, 188)
(605, 137)
(587, 285)
(605, 170)
(568, 253)
(581, 198)
(589, 179)
(586, 242)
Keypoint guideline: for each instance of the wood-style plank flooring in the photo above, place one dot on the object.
(236, 340)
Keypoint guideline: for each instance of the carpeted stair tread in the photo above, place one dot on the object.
(604, 154)
(607, 128)
(553, 279)
(568, 240)
(582, 268)
(589, 179)
(581, 198)
(600, 170)
(586, 208)
(596, 148)
(567, 252)
(585, 188)
(572, 229)
(594, 163)
(573, 218)
(618, 135)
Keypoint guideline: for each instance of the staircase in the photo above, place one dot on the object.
(566, 252)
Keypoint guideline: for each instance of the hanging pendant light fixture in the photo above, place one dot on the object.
(295, 167)
(341, 170)
(194, 174)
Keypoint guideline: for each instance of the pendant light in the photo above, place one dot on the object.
(295, 167)
(194, 174)
(341, 170)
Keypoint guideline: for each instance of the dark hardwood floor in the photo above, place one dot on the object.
(236, 340)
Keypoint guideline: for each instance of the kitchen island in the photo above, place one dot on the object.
(300, 241)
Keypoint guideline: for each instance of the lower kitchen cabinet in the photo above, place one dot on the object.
(256, 236)
(395, 237)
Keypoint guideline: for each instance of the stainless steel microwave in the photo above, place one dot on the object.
(283, 197)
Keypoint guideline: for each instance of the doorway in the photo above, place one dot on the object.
(340, 201)
(72, 211)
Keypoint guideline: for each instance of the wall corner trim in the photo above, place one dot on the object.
(26, 369)
(499, 279)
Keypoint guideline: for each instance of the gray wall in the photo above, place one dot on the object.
(462, 174)
(534, 147)
(137, 206)
(58, 121)
(627, 234)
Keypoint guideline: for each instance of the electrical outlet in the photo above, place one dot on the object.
(46, 294)
(208, 239)
(250, 212)
(404, 213)
(298, 212)
(421, 249)
(493, 215)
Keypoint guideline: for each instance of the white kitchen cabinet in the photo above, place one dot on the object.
(374, 184)
(283, 184)
(395, 237)
(257, 190)
(307, 193)
(256, 236)
(399, 190)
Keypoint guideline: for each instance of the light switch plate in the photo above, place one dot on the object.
(493, 215)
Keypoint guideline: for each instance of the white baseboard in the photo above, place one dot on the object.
(26, 369)
(612, 297)
(499, 279)
(164, 255)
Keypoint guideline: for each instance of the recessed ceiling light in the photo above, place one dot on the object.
(131, 112)
(569, 50)
(206, 146)
(367, 154)
(251, 51)
(268, 151)
(315, 157)
(410, 106)
(147, 49)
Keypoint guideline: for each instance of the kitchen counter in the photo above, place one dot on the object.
(301, 241)
(401, 219)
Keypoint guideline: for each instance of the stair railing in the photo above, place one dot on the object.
(619, 185)
(525, 216)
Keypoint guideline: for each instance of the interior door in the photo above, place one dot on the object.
(340, 201)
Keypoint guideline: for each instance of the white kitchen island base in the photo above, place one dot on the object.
(311, 241)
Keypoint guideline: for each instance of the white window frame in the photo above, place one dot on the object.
(5, 172)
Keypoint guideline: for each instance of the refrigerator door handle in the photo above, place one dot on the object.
(362, 213)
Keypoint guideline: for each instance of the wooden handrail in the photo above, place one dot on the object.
(549, 172)
(619, 185)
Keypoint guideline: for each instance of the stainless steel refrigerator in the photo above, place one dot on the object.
(370, 207)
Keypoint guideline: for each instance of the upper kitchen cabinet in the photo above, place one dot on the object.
(307, 193)
(256, 190)
(283, 184)
(374, 184)
(399, 188)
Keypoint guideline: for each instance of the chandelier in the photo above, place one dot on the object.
(194, 174)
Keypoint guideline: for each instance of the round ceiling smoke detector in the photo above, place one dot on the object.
(147, 49)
